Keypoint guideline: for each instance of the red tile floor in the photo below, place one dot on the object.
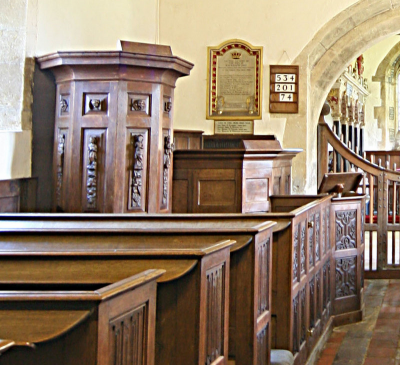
(375, 340)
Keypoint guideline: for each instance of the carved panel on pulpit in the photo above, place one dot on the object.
(93, 169)
(137, 167)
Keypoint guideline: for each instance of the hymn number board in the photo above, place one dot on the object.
(284, 89)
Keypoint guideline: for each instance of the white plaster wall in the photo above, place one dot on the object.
(94, 24)
(372, 58)
(279, 26)
(15, 152)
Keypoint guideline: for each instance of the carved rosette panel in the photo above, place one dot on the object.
(328, 227)
(92, 173)
(263, 276)
(128, 338)
(317, 237)
(346, 234)
(60, 167)
(262, 346)
(215, 295)
(318, 280)
(303, 315)
(311, 223)
(137, 173)
(346, 283)
(326, 281)
(295, 304)
(167, 158)
(312, 301)
(296, 276)
(303, 249)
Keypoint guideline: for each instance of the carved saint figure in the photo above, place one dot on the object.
(360, 65)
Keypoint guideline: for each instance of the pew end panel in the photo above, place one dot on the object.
(196, 280)
(348, 213)
(64, 325)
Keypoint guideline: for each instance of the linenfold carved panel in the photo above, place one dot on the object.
(263, 272)
(262, 347)
(362, 227)
(317, 237)
(346, 233)
(303, 249)
(128, 338)
(311, 224)
(295, 304)
(137, 157)
(318, 280)
(312, 301)
(296, 276)
(346, 283)
(328, 228)
(303, 315)
(215, 295)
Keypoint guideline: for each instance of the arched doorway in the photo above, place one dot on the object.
(321, 62)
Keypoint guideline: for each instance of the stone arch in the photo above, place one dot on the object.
(338, 42)
(386, 75)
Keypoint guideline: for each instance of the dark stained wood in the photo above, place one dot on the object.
(250, 263)
(62, 325)
(231, 180)
(196, 279)
(114, 128)
(188, 139)
(18, 195)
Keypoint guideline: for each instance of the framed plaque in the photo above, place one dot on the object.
(234, 81)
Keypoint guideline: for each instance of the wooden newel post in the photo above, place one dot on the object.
(113, 128)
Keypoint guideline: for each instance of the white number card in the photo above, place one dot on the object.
(285, 87)
(285, 78)
(286, 97)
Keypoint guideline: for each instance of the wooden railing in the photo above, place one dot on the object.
(382, 188)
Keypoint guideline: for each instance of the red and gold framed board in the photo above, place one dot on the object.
(234, 81)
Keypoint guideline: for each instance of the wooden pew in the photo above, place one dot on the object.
(306, 301)
(250, 265)
(114, 323)
(192, 296)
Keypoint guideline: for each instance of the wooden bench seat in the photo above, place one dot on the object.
(250, 285)
(58, 326)
(192, 296)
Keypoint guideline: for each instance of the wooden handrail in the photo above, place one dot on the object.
(325, 136)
